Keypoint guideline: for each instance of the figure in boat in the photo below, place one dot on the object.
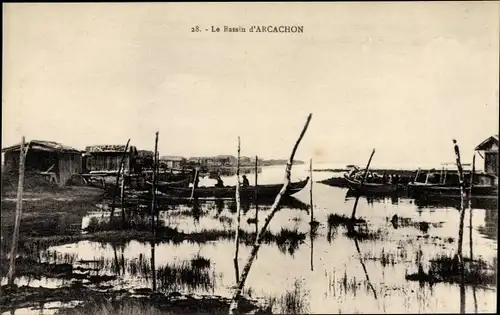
(220, 183)
(245, 183)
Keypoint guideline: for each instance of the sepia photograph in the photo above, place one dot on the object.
(250, 158)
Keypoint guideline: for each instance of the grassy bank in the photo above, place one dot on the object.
(117, 303)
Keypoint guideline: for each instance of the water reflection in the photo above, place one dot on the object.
(329, 276)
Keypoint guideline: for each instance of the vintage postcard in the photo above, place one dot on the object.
(250, 158)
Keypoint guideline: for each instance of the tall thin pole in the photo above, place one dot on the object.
(122, 197)
(153, 265)
(470, 203)
(153, 186)
(233, 306)
(118, 180)
(238, 209)
(312, 227)
(416, 176)
(194, 181)
(311, 191)
(256, 196)
(353, 215)
(462, 206)
(470, 224)
(19, 212)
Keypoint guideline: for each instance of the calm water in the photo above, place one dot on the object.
(327, 273)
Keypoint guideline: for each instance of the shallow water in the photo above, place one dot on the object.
(329, 273)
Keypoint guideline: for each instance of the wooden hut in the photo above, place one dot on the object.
(47, 159)
(490, 148)
(172, 162)
(144, 161)
(105, 159)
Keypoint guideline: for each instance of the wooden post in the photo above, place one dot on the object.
(462, 207)
(353, 215)
(364, 268)
(312, 225)
(238, 209)
(311, 231)
(122, 198)
(233, 308)
(470, 203)
(256, 196)
(153, 186)
(311, 192)
(427, 177)
(118, 180)
(153, 265)
(416, 176)
(19, 212)
(194, 182)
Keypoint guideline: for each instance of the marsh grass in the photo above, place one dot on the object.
(291, 302)
(335, 219)
(364, 234)
(446, 269)
(423, 226)
(127, 307)
(185, 274)
(155, 304)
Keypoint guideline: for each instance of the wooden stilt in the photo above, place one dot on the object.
(19, 212)
(153, 186)
(462, 205)
(256, 196)
(353, 215)
(118, 181)
(233, 308)
(238, 210)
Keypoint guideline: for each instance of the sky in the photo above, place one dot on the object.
(403, 78)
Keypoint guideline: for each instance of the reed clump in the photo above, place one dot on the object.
(447, 269)
(335, 219)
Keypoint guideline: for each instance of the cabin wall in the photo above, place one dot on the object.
(491, 163)
(69, 165)
(172, 164)
(38, 161)
(109, 162)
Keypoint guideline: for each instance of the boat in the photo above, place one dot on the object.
(372, 188)
(440, 185)
(162, 186)
(263, 191)
(433, 191)
(335, 182)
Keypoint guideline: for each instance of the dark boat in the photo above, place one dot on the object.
(372, 188)
(335, 182)
(263, 191)
(438, 186)
(163, 186)
(428, 191)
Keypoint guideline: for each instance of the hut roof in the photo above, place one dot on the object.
(109, 148)
(40, 145)
(486, 144)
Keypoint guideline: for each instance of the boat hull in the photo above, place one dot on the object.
(372, 188)
(443, 191)
(263, 191)
(164, 186)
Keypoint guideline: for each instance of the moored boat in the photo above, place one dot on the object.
(163, 186)
(372, 188)
(263, 191)
(440, 185)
